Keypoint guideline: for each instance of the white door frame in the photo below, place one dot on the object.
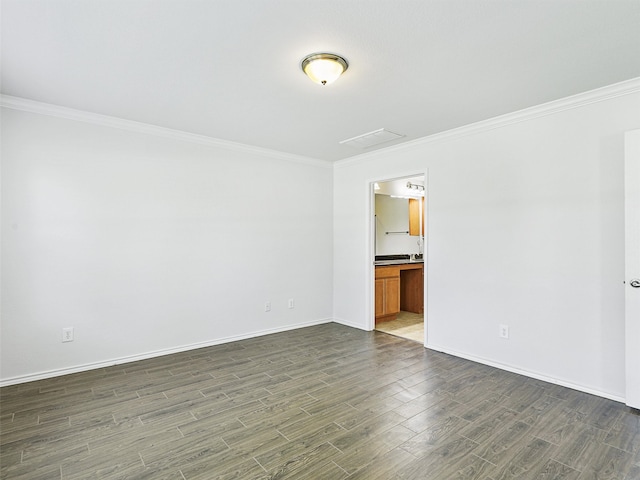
(371, 283)
(632, 267)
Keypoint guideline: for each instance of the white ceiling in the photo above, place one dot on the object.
(230, 69)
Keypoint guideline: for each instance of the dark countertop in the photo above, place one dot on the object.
(397, 262)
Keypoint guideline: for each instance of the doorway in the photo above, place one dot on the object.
(398, 256)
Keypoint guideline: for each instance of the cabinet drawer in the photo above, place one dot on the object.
(387, 271)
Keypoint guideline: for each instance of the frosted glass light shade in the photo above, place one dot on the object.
(324, 68)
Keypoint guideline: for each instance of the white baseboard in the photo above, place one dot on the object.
(234, 338)
(347, 323)
(157, 353)
(526, 373)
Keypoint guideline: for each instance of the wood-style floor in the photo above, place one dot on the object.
(324, 402)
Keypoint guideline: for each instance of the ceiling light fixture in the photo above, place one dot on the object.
(324, 68)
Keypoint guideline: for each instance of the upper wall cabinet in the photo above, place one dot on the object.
(414, 217)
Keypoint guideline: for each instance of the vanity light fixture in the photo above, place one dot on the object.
(415, 189)
(324, 68)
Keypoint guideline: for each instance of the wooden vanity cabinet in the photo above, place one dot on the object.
(399, 287)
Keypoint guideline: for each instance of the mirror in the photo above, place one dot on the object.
(393, 234)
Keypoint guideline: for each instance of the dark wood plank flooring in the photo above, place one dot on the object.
(324, 402)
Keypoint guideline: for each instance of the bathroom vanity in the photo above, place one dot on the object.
(399, 286)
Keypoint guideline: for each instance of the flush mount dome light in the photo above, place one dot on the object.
(324, 68)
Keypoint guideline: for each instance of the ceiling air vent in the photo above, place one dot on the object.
(370, 139)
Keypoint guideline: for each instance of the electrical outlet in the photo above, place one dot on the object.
(503, 331)
(267, 306)
(67, 334)
(291, 303)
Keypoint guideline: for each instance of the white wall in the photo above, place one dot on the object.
(524, 228)
(147, 244)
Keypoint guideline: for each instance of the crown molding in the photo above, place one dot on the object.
(550, 108)
(32, 106)
(575, 101)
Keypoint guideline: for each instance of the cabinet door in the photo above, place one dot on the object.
(414, 217)
(391, 295)
(379, 297)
